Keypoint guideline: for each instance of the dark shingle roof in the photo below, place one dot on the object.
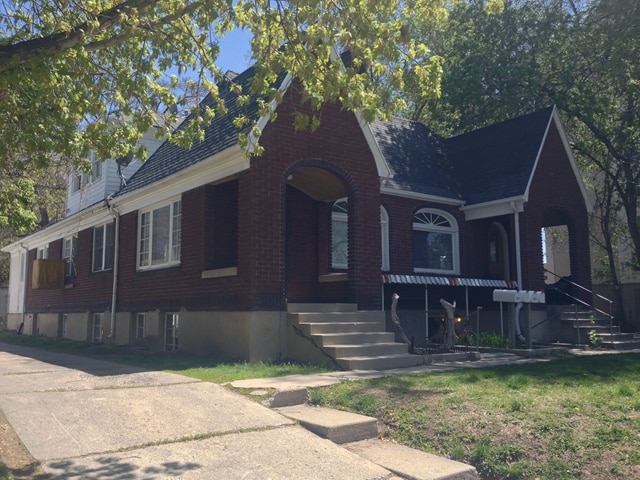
(416, 157)
(496, 162)
(220, 135)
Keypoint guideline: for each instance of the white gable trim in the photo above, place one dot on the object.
(381, 164)
(262, 122)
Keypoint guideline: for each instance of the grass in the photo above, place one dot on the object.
(565, 419)
(208, 369)
(570, 418)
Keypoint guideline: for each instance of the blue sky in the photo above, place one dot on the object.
(234, 51)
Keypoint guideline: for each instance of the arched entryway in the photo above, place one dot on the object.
(498, 252)
(561, 258)
(318, 199)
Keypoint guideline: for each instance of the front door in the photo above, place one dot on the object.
(498, 252)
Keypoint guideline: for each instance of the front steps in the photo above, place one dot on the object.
(575, 327)
(355, 340)
(359, 434)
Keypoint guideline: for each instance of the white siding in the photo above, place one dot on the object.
(108, 183)
(17, 275)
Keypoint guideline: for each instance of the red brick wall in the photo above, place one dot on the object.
(554, 188)
(90, 291)
(339, 146)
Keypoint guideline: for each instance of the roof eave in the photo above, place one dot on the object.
(398, 192)
(216, 167)
(494, 208)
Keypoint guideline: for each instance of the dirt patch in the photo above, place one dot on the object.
(18, 462)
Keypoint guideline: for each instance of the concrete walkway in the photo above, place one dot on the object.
(90, 419)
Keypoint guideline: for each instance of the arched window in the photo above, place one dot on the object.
(435, 242)
(384, 235)
(340, 234)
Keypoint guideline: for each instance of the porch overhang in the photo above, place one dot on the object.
(447, 281)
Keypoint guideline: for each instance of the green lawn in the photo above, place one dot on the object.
(208, 369)
(570, 418)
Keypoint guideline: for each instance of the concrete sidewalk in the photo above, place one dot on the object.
(90, 419)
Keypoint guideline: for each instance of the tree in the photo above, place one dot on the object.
(583, 56)
(85, 75)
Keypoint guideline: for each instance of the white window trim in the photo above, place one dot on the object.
(453, 231)
(43, 252)
(69, 254)
(65, 325)
(384, 234)
(339, 217)
(141, 318)
(171, 262)
(103, 266)
(98, 320)
(175, 325)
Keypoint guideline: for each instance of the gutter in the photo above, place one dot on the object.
(25, 264)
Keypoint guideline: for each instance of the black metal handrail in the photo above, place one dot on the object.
(593, 308)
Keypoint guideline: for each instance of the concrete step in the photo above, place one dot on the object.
(353, 338)
(319, 317)
(409, 463)
(358, 434)
(385, 362)
(340, 327)
(321, 307)
(631, 344)
(615, 329)
(335, 425)
(367, 349)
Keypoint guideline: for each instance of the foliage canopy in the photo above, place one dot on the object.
(80, 76)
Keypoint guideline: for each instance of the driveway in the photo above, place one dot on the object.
(90, 419)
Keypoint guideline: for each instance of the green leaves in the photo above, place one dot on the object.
(16, 204)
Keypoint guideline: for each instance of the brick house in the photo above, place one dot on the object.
(214, 252)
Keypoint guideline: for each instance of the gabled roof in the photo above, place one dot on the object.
(417, 159)
(497, 162)
(219, 135)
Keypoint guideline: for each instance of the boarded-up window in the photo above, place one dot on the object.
(48, 274)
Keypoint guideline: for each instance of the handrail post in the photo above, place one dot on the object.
(577, 325)
(478, 328)
(611, 318)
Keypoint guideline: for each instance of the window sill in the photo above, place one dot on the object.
(333, 277)
(220, 272)
(159, 266)
(435, 272)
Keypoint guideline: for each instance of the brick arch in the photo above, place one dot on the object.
(556, 216)
(334, 183)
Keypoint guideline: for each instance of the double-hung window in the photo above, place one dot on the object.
(70, 256)
(435, 242)
(103, 242)
(159, 236)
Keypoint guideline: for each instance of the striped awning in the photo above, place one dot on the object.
(446, 281)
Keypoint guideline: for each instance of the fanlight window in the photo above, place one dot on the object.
(435, 242)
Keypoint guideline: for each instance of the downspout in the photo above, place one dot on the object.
(516, 321)
(518, 306)
(23, 267)
(516, 226)
(116, 253)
